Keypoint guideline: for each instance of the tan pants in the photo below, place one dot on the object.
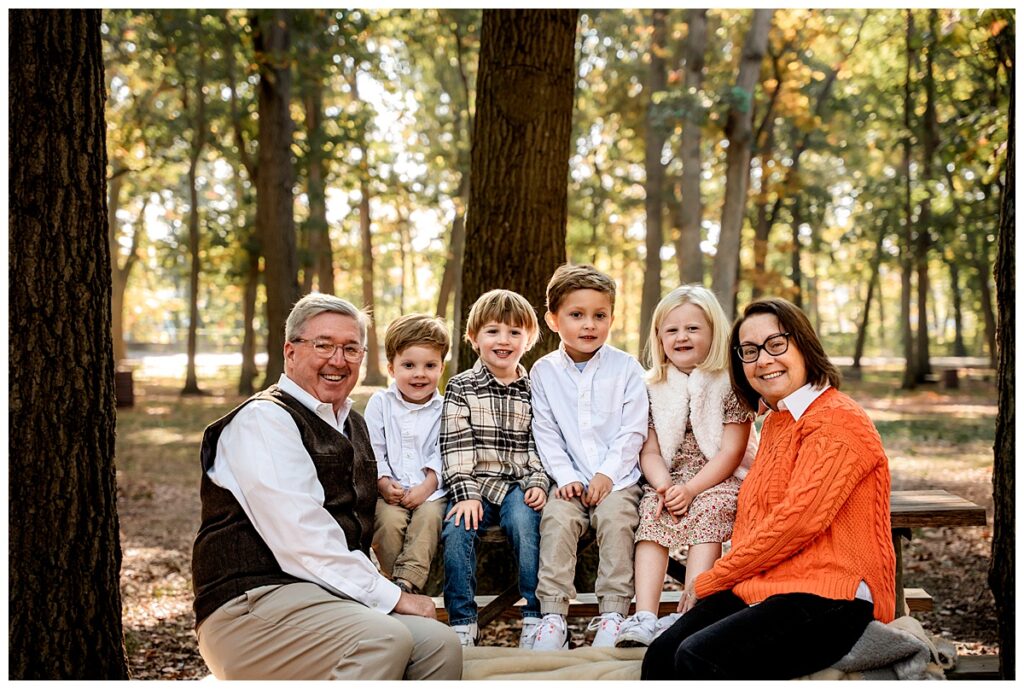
(300, 631)
(405, 541)
(562, 525)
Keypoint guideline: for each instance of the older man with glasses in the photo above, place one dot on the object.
(284, 587)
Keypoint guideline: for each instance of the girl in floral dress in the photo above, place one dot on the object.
(699, 447)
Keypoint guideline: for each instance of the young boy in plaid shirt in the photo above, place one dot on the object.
(490, 464)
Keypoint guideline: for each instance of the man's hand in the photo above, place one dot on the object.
(678, 499)
(416, 496)
(600, 486)
(570, 491)
(535, 497)
(415, 604)
(471, 512)
(390, 490)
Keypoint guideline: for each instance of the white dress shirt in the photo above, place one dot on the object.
(262, 462)
(405, 437)
(796, 403)
(590, 421)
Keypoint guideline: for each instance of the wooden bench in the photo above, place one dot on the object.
(975, 667)
(585, 604)
(909, 509)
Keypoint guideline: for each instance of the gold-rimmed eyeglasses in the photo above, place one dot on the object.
(352, 353)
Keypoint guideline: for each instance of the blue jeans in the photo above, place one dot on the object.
(521, 525)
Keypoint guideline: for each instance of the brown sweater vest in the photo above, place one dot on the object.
(228, 556)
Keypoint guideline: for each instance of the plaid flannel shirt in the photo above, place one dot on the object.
(486, 442)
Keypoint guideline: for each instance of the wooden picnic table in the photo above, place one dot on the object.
(912, 509)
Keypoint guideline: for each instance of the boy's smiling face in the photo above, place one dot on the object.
(416, 370)
(501, 346)
(582, 320)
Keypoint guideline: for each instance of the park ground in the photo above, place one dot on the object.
(935, 438)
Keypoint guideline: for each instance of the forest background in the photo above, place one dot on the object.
(859, 162)
(849, 160)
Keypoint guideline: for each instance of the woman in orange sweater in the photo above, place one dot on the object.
(812, 560)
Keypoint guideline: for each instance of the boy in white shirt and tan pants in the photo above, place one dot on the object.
(404, 423)
(590, 419)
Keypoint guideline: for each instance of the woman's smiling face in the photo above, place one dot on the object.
(773, 377)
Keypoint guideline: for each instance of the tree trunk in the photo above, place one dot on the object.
(689, 258)
(321, 264)
(862, 330)
(1001, 570)
(275, 217)
(450, 279)
(120, 273)
(373, 370)
(959, 349)
(906, 262)
(198, 122)
(930, 143)
(64, 554)
(740, 133)
(247, 377)
(654, 204)
(515, 232)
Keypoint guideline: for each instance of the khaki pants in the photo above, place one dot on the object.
(300, 631)
(405, 541)
(563, 524)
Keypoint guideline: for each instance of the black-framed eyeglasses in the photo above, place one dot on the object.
(775, 345)
(352, 353)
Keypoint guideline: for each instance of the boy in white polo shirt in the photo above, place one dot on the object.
(404, 422)
(590, 416)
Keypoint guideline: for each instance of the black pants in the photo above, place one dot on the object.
(782, 637)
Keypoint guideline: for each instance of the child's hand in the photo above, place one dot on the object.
(661, 505)
(570, 491)
(471, 512)
(416, 496)
(390, 490)
(678, 499)
(600, 486)
(535, 498)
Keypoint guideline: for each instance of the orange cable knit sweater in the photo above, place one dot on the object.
(813, 514)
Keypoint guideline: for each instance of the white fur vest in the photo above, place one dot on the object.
(699, 398)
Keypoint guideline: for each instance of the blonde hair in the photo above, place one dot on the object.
(416, 329)
(503, 306)
(701, 297)
(569, 278)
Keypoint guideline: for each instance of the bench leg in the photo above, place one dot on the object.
(901, 602)
(493, 610)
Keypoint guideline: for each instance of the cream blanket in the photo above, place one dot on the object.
(898, 650)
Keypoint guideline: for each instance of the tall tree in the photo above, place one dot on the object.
(275, 213)
(689, 258)
(515, 233)
(906, 245)
(654, 188)
(1002, 568)
(64, 555)
(929, 147)
(121, 270)
(739, 129)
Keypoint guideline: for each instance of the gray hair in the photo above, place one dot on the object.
(315, 303)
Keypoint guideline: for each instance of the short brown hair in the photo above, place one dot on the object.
(503, 306)
(793, 321)
(569, 278)
(416, 329)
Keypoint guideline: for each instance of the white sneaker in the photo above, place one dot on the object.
(607, 626)
(529, 633)
(467, 634)
(637, 630)
(550, 634)
(665, 622)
